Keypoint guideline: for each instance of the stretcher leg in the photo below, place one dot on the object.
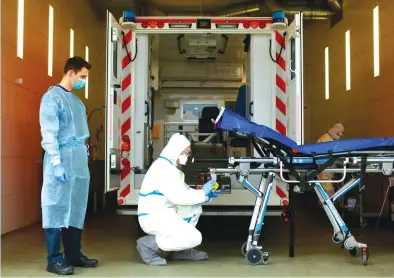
(346, 188)
(341, 231)
(291, 213)
(288, 216)
(252, 252)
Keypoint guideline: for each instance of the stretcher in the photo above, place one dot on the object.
(299, 166)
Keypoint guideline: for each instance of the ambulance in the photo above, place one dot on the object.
(167, 74)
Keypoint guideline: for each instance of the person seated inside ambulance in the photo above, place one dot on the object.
(335, 133)
(168, 209)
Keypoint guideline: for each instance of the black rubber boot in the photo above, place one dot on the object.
(72, 248)
(84, 262)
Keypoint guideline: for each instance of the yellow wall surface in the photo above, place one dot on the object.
(21, 155)
(366, 109)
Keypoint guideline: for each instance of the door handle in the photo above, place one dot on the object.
(147, 111)
(250, 108)
(293, 71)
(116, 86)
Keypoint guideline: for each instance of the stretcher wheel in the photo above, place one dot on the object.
(255, 256)
(354, 252)
(243, 248)
(365, 255)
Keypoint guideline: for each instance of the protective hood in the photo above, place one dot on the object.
(175, 146)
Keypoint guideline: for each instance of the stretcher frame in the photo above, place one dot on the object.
(341, 234)
(300, 171)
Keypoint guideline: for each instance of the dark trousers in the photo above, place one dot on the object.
(71, 244)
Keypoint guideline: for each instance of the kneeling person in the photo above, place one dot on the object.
(168, 209)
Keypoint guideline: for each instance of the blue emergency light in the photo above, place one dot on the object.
(128, 16)
(278, 16)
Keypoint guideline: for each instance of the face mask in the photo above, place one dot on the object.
(183, 159)
(79, 84)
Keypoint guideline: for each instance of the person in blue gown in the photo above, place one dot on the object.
(65, 188)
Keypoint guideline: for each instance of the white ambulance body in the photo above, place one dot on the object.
(179, 65)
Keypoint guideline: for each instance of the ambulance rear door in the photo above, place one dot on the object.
(113, 104)
(294, 45)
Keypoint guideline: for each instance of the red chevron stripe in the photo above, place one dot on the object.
(281, 106)
(126, 126)
(280, 83)
(280, 192)
(127, 39)
(126, 104)
(279, 39)
(125, 191)
(280, 127)
(126, 82)
(281, 62)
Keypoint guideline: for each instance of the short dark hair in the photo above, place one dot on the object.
(76, 64)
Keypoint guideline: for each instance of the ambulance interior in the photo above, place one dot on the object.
(197, 74)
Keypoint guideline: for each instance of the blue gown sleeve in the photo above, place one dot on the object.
(49, 122)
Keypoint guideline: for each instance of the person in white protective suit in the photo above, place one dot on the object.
(168, 209)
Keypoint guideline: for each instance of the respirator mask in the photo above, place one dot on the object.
(185, 157)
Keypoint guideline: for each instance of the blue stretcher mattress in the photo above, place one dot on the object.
(230, 121)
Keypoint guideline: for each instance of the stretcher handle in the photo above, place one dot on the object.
(211, 160)
(313, 181)
(220, 115)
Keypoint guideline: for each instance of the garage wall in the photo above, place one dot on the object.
(365, 110)
(21, 150)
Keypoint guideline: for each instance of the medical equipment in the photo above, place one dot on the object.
(299, 165)
(215, 187)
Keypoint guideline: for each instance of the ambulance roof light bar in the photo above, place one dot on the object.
(178, 24)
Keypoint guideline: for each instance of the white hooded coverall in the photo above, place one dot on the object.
(167, 207)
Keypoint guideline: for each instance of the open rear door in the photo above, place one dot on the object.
(295, 80)
(113, 105)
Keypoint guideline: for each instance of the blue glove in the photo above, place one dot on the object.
(214, 194)
(60, 173)
(208, 186)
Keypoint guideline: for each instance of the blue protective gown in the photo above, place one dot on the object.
(64, 129)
